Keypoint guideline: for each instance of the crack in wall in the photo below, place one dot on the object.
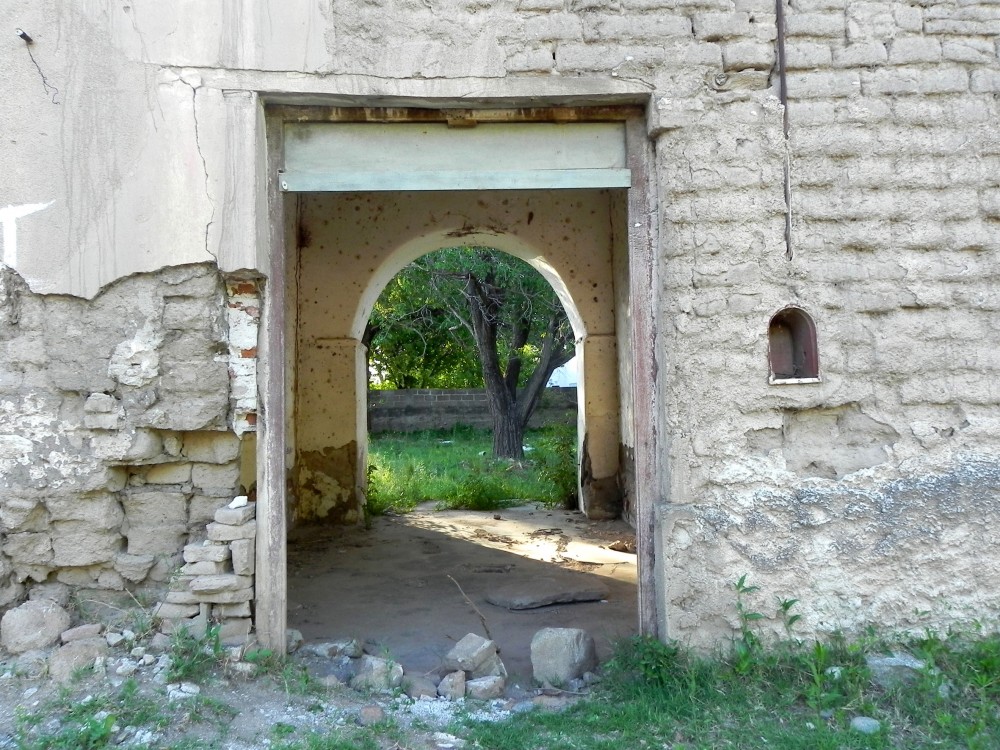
(204, 163)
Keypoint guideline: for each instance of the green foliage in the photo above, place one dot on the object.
(421, 335)
(647, 661)
(746, 646)
(338, 739)
(556, 464)
(784, 694)
(191, 657)
(88, 724)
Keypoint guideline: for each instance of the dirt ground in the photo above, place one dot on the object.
(415, 584)
(396, 586)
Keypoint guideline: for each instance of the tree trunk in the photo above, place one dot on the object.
(508, 435)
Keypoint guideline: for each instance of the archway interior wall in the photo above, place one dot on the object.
(351, 244)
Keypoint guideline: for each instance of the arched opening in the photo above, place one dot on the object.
(462, 344)
(349, 245)
(793, 354)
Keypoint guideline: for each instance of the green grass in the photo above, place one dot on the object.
(68, 724)
(192, 658)
(783, 695)
(455, 468)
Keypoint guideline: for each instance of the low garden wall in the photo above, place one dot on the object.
(432, 409)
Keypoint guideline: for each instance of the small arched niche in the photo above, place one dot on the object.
(792, 351)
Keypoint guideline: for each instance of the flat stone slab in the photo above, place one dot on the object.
(541, 592)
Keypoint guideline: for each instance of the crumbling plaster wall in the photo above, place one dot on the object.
(116, 445)
(869, 496)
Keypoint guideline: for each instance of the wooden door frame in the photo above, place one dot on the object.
(271, 596)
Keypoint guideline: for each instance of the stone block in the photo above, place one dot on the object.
(559, 655)
(216, 475)
(491, 667)
(452, 686)
(164, 567)
(29, 548)
(211, 447)
(100, 510)
(174, 473)
(201, 509)
(914, 49)
(469, 653)
(418, 686)
(220, 532)
(861, 54)
(151, 508)
(712, 27)
(133, 567)
(33, 625)
(90, 630)
(235, 631)
(239, 609)
(915, 80)
(807, 55)
(101, 421)
(824, 84)
(243, 556)
(76, 544)
(67, 660)
(236, 516)
(23, 515)
(969, 51)
(171, 611)
(485, 688)
(100, 403)
(156, 540)
(985, 82)
(377, 675)
(204, 567)
(184, 597)
(210, 552)
(815, 24)
(210, 584)
(128, 446)
(745, 55)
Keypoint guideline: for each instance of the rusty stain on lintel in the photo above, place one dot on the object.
(456, 117)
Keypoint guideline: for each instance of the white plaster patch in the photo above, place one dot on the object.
(16, 448)
(8, 218)
(137, 362)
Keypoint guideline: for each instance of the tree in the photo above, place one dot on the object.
(497, 311)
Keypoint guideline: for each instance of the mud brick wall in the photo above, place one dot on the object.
(115, 443)
(868, 196)
(434, 409)
(874, 495)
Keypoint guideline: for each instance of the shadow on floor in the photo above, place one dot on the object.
(416, 584)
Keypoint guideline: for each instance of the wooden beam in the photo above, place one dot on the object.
(539, 179)
(643, 280)
(271, 570)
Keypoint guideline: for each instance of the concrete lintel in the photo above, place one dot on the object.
(370, 91)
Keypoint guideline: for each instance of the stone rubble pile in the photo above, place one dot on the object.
(215, 584)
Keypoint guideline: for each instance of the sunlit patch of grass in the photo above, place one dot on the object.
(456, 469)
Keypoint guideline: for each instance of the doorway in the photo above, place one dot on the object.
(342, 244)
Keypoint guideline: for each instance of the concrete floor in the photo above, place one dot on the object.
(407, 583)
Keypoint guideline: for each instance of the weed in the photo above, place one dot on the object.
(191, 657)
(294, 678)
(745, 647)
